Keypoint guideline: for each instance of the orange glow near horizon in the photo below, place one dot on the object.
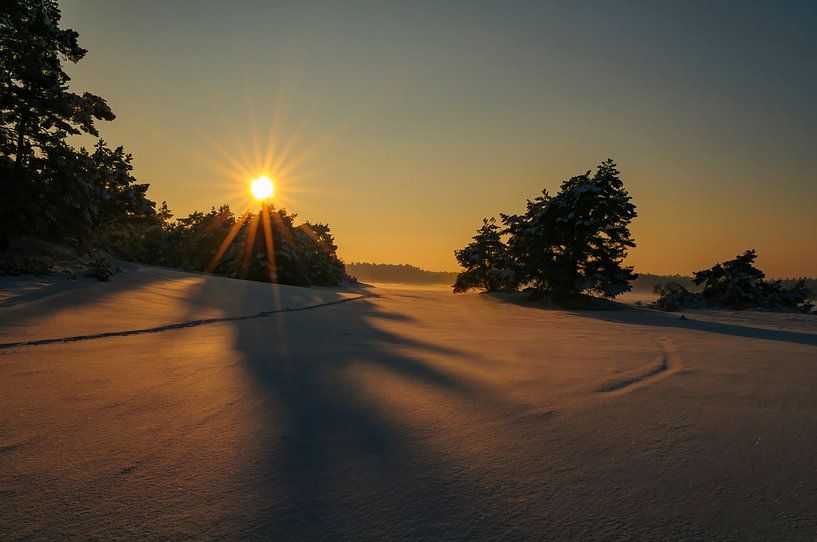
(403, 157)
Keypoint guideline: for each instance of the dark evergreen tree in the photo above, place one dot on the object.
(192, 242)
(734, 283)
(46, 186)
(533, 244)
(738, 284)
(799, 295)
(37, 111)
(485, 261)
(576, 242)
(319, 253)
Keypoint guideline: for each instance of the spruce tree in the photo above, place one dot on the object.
(485, 261)
(738, 284)
(735, 283)
(576, 241)
(594, 217)
(533, 244)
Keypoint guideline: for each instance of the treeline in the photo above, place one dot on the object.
(403, 273)
(562, 246)
(266, 245)
(89, 198)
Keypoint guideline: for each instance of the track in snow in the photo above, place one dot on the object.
(170, 327)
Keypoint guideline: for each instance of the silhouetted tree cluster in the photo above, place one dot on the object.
(49, 187)
(265, 246)
(736, 284)
(572, 243)
(90, 199)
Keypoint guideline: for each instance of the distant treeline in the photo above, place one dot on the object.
(386, 272)
(404, 273)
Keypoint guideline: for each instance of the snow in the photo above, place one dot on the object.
(398, 413)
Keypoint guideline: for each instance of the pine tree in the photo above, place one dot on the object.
(735, 283)
(738, 284)
(319, 254)
(485, 261)
(44, 182)
(36, 109)
(533, 243)
(576, 241)
(594, 218)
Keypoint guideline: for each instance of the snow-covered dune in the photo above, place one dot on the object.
(139, 299)
(396, 413)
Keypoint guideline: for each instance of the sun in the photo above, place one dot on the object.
(262, 188)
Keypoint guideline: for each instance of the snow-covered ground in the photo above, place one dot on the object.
(189, 406)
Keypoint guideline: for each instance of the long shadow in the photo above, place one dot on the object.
(348, 465)
(184, 323)
(624, 314)
(57, 286)
(650, 318)
(49, 287)
(27, 308)
(208, 292)
(346, 469)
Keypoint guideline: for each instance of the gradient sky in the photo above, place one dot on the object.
(402, 125)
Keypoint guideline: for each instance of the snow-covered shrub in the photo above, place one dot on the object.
(674, 296)
(99, 268)
(736, 284)
(776, 297)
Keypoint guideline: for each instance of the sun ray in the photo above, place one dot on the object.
(249, 247)
(225, 244)
(268, 244)
(279, 222)
(216, 223)
(307, 229)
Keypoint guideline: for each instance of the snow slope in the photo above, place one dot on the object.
(189, 406)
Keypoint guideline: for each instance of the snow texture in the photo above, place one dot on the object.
(395, 413)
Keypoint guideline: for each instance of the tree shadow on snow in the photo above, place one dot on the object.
(345, 468)
(653, 318)
(45, 297)
(625, 314)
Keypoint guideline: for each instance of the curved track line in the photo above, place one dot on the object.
(180, 325)
(669, 363)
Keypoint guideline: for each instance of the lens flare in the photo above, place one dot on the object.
(262, 188)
